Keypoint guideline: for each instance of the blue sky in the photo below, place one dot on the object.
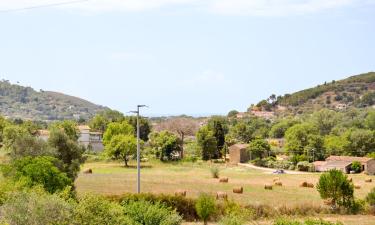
(185, 56)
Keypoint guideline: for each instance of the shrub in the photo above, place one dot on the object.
(284, 221)
(334, 185)
(40, 208)
(232, 219)
(96, 210)
(205, 207)
(305, 166)
(184, 206)
(356, 166)
(148, 213)
(370, 199)
(38, 171)
(215, 172)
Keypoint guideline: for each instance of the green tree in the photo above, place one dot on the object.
(297, 137)
(117, 128)
(259, 148)
(41, 170)
(370, 120)
(325, 120)
(67, 151)
(205, 207)
(207, 142)
(27, 145)
(232, 113)
(360, 142)
(334, 185)
(278, 129)
(218, 125)
(122, 147)
(99, 123)
(144, 126)
(335, 145)
(70, 128)
(165, 145)
(10, 135)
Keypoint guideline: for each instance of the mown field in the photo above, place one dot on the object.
(111, 178)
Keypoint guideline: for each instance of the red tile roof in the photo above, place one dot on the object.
(348, 159)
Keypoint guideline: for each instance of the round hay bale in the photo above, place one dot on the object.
(88, 171)
(310, 185)
(276, 179)
(238, 190)
(224, 180)
(279, 183)
(356, 186)
(369, 180)
(268, 187)
(303, 184)
(221, 195)
(181, 193)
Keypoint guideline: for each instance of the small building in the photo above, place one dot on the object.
(344, 163)
(238, 153)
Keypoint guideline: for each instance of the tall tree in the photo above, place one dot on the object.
(165, 145)
(218, 125)
(144, 126)
(207, 142)
(116, 128)
(297, 137)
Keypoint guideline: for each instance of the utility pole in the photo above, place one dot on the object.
(138, 150)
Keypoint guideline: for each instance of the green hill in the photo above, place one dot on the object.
(356, 91)
(24, 102)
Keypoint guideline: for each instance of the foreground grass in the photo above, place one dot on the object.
(346, 220)
(111, 178)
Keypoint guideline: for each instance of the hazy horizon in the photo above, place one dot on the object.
(189, 57)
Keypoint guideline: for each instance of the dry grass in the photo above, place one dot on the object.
(346, 220)
(112, 178)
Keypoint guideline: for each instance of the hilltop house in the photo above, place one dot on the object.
(91, 140)
(344, 163)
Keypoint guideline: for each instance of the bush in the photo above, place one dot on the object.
(356, 167)
(96, 210)
(205, 206)
(334, 185)
(215, 172)
(370, 199)
(40, 208)
(147, 213)
(38, 171)
(232, 219)
(305, 166)
(184, 206)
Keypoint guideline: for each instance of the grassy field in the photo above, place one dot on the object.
(112, 178)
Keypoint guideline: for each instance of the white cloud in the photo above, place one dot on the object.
(225, 7)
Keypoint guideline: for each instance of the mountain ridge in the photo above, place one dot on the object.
(22, 102)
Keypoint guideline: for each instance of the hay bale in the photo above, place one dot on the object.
(221, 195)
(279, 183)
(268, 187)
(310, 185)
(369, 180)
(224, 180)
(181, 193)
(88, 171)
(303, 184)
(276, 179)
(356, 186)
(238, 190)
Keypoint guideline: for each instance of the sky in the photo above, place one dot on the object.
(194, 57)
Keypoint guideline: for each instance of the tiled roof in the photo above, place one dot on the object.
(348, 159)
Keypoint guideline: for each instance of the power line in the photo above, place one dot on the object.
(43, 6)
